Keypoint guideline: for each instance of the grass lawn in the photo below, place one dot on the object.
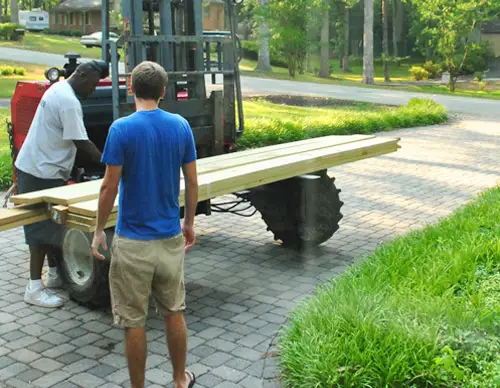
(399, 75)
(422, 311)
(5, 157)
(8, 83)
(53, 44)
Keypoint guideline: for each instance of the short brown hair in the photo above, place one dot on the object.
(148, 80)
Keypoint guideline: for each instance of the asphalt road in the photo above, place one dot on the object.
(252, 85)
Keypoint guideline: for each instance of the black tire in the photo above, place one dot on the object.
(302, 212)
(85, 277)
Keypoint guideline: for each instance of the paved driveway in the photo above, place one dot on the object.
(240, 285)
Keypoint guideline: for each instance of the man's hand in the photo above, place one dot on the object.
(98, 241)
(189, 236)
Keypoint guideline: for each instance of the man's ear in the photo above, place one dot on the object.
(163, 92)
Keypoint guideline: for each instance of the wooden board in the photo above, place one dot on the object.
(14, 215)
(81, 192)
(251, 175)
(26, 221)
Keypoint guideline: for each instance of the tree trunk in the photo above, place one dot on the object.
(345, 61)
(324, 68)
(395, 40)
(385, 40)
(368, 44)
(309, 68)
(264, 63)
(14, 11)
(1, 12)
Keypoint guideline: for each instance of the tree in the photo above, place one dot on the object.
(289, 21)
(345, 59)
(450, 25)
(264, 63)
(368, 43)
(14, 11)
(324, 69)
(385, 39)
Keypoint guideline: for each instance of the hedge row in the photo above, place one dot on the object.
(267, 131)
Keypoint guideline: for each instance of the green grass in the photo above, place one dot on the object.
(400, 77)
(422, 311)
(52, 44)
(8, 83)
(264, 127)
(5, 156)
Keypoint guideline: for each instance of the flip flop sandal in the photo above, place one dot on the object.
(192, 378)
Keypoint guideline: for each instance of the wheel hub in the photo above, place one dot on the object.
(78, 257)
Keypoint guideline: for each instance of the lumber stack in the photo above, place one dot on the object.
(76, 205)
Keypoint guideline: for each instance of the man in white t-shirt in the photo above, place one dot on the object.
(46, 160)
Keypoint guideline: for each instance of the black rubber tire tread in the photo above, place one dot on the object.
(95, 294)
(281, 209)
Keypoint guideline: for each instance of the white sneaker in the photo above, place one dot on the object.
(42, 297)
(52, 281)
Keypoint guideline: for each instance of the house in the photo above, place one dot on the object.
(85, 15)
(491, 33)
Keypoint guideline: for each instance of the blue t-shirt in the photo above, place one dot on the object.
(151, 146)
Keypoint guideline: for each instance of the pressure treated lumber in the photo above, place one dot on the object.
(33, 218)
(251, 175)
(81, 192)
(14, 215)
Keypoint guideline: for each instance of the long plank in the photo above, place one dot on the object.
(13, 215)
(71, 194)
(27, 221)
(256, 174)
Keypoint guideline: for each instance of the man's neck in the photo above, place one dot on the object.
(145, 104)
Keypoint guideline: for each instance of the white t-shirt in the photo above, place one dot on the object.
(48, 151)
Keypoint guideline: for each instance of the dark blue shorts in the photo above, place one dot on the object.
(44, 232)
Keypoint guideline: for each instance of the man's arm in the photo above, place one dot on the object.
(190, 192)
(190, 201)
(90, 149)
(107, 197)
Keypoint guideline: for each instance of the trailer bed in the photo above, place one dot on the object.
(76, 205)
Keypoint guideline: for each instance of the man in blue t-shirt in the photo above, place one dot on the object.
(144, 155)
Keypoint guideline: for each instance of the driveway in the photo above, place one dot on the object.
(240, 285)
(252, 85)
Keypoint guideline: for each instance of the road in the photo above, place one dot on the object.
(252, 85)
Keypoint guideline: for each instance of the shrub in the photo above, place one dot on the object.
(6, 70)
(422, 311)
(250, 50)
(418, 73)
(434, 69)
(7, 30)
(267, 131)
(19, 71)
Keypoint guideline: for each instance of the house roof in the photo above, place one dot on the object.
(78, 5)
(491, 27)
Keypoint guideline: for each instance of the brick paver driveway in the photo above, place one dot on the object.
(240, 285)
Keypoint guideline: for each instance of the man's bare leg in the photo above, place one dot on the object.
(135, 339)
(37, 257)
(176, 332)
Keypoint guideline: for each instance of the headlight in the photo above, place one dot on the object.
(52, 74)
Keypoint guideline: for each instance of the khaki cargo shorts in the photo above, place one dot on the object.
(139, 269)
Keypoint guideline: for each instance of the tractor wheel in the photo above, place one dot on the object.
(85, 276)
(302, 212)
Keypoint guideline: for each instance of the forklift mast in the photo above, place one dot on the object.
(170, 33)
